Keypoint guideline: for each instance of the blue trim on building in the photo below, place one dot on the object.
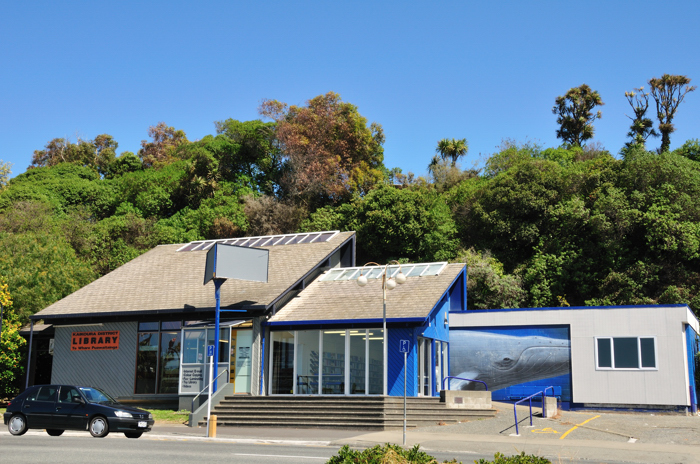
(570, 308)
(691, 339)
(345, 322)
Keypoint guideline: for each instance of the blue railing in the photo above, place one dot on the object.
(462, 378)
(544, 407)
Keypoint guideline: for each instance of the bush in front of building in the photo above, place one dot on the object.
(394, 454)
(521, 458)
(390, 454)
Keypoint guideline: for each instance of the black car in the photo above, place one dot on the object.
(67, 407)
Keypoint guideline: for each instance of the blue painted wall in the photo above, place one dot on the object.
(691, 339)
(395, 366)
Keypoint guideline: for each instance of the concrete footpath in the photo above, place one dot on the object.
(590, 436)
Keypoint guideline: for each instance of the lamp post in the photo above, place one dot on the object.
(390, 284)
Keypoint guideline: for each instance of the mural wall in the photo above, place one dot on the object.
(515, 362)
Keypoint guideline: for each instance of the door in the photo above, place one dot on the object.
(70, 412)
(241, 359)
(40, 406)
(424, 367)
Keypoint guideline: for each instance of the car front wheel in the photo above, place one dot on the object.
(133, 434)
(99, 427)
(54, 432)
(17, 425)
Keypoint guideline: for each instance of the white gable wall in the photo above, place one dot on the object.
(668, 385)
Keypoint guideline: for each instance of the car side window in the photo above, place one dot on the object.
(68, 394)
(31, 395)
(47, 393)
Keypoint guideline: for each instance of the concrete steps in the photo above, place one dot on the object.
(374, 413)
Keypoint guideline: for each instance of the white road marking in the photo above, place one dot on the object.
(278, 456)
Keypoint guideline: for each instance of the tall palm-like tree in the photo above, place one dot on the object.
(452, 149)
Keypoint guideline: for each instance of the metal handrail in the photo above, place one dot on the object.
(544, 410)
(225, 371)
(462, 378)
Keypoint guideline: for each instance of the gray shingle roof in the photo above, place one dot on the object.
(345, 300)
(163, 279)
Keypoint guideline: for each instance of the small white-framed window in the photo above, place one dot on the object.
(625, 353)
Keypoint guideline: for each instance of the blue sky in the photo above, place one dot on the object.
(484, 71)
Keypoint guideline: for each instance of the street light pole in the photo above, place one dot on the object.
(389, 283)
(384, 333)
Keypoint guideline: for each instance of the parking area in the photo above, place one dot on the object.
(614, 426)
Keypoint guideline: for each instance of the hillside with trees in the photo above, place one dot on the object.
(538, 226)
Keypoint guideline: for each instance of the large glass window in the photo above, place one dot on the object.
(147, 362)
(169, 362)
(333, 374)
(282, 363)
(158, 357)
(375, 357)
(194, 350)
(327, 362)
(307, 362)
(358, 349)
(626, 353)
(224, 334)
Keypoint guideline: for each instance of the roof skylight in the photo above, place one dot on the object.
(376, 272)
(263, 241)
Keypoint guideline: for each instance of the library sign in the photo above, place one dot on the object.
(88, 341)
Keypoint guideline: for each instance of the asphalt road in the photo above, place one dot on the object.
(37, 447)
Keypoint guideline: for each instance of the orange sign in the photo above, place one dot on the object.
(87, 341)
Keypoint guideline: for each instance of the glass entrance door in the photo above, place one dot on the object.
(241, 361)
(424, 367)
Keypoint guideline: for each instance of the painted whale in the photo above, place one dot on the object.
(505, 360)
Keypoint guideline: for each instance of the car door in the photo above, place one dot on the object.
(70, 410)
(40, 406)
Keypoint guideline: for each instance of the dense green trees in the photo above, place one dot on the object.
(575, 115)
(330, 151)
(11, 359)
(452, 149)
(642, 127)
(668, 91)
(537, 226)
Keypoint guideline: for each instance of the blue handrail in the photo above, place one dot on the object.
(544, 410)
(462, 378)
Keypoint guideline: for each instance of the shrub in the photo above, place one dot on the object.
(387, 454)
(521, 458)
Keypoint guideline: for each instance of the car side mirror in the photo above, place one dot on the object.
(78, 399)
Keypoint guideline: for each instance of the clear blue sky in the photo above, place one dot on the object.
(484, 71)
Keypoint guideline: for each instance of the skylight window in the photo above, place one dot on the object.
(263, 241)
(376, 272)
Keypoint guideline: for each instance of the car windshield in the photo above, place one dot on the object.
(94, 395)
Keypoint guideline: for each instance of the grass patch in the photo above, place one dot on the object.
(169, 416)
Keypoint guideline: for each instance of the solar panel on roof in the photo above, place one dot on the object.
(263, 241)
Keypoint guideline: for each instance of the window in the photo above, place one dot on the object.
(626, 353)
(327, 362)
(158, 357)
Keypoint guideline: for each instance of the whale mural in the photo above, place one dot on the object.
(511, 357)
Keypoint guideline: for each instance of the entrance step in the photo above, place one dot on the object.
(376, 413)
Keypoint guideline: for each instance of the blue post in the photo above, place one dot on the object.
(217, 292)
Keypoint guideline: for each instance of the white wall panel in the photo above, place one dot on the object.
(668, 385)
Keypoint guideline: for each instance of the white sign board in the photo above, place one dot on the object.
(235, 262)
